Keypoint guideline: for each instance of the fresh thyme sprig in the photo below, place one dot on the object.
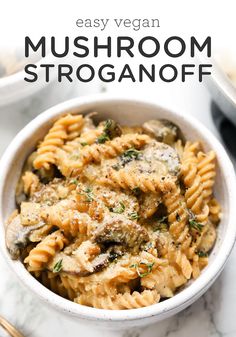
(118, 209)
(137, 266)
(57, 267)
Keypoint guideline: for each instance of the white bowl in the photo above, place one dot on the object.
(222, 90)
(14, 88)
(126, 111)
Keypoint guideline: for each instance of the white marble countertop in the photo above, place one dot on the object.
(211, 316)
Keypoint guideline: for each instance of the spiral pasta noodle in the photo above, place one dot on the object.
(194, 194)
(206, 170)
(111, 149)
(128, 180)
(178, 215)
(95, 153)
(214, 211)
(31, 183)
(70, 221)
(45, 250)
(65, 128)
(165, 280)
(121, 301)
(84, 139)
(189, 153)
(53, 282)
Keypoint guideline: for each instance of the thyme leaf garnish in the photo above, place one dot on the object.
(195, 225)
(84, 143)
(102, 138)
(137, 266)
(133, 216)
(88, 194)
(200, 253)
(118, 209)
(57, 267)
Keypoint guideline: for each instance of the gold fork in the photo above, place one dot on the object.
(9, 328)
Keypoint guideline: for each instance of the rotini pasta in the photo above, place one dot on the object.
(54, 283)
(115, 217)
(121, 301)
(45, 250)
(96, 152)
(66, 128)
(206, 170)
(31, 183)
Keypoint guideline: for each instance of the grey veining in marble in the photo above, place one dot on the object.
(213, 315)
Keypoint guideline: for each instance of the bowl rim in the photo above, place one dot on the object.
(161, 309)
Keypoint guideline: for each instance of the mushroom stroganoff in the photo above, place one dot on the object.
(113, 216)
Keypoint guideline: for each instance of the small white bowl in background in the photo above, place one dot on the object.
(14, 88)
(125, 111)
(221, 87)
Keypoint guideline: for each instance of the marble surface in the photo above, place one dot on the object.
(211, 316)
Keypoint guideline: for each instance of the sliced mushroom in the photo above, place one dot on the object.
(17, 236)
(162, 157)
(163, 130)
(118, 229)
(70, 265)
(112, 129)
(208, 239)
(157, 159)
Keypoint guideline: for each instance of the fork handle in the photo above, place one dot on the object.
(9, 328)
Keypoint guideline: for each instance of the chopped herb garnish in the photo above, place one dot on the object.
(102, 138)
(88, 193)
(57, 267)
(119, 209)
(129, 155)
(74, 182)
(108, 125)
(84, 143)
(200, 253)
(110, 131)
(195, 225)
(88, 190)
(116, 167)
(138, 265)
(135, 265)
(132, 153)
(133, 216)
